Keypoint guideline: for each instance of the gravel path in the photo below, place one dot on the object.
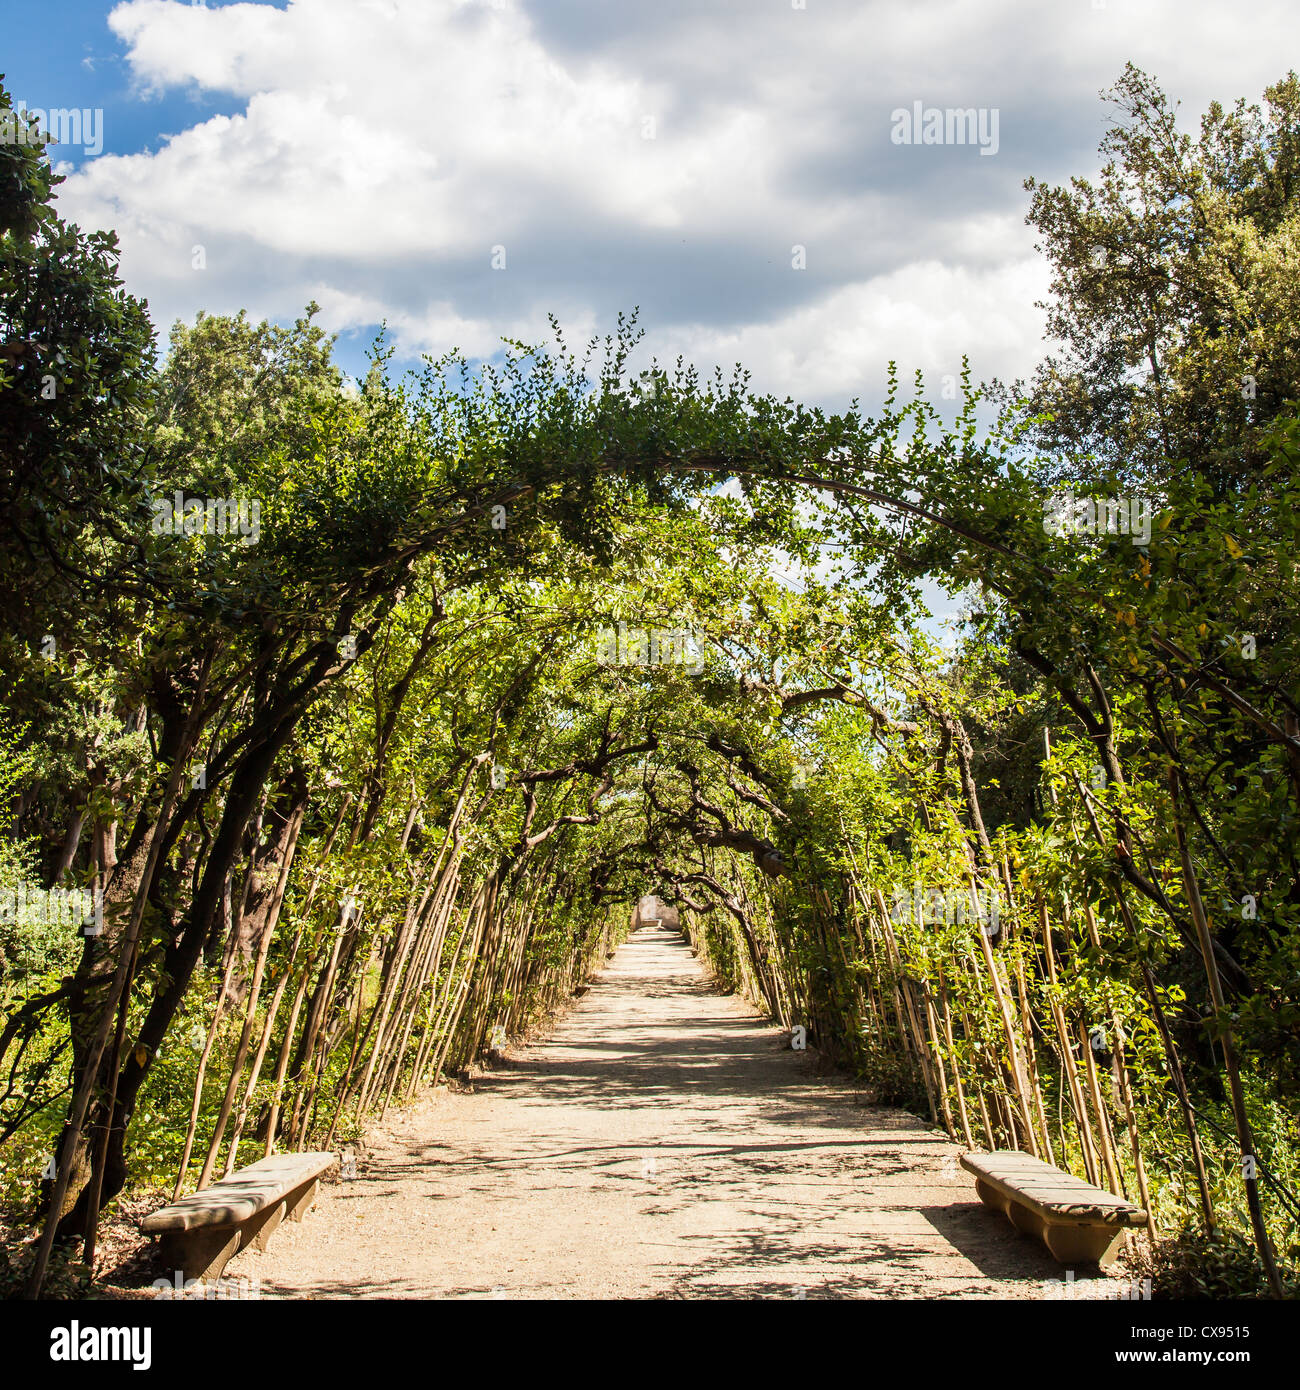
(662, 1142)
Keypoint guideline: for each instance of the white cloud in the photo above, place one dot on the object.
(388, 130)
(923, 315)
(386, 146)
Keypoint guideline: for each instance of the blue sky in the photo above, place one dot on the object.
(463, 167)
(83, 64)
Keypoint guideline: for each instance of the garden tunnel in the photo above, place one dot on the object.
(382, 786)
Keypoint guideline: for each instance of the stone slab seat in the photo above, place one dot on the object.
(1079, 1223)
(201, 1232)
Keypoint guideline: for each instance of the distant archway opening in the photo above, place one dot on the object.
(652, 910)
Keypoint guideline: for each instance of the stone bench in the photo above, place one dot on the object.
(201, 1232)
(1079, 1223)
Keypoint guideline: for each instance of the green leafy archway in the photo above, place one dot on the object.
(378, 768)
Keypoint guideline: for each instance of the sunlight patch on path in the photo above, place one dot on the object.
(663, 1141)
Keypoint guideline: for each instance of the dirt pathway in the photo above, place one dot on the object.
(662, 1142)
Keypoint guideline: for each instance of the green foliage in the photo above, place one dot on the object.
(1175, 278)
(75, 386)
(406, 788)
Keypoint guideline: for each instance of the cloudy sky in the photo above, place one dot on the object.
(463, 167)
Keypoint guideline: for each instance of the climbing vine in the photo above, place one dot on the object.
(352, 720)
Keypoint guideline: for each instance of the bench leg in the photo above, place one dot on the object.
(199, 1254)
(1026, 1221)
(990, 1196)
(1076, 1245)
(257, 1231)
(301, 1202)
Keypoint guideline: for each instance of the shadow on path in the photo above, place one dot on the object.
(662, 1142)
